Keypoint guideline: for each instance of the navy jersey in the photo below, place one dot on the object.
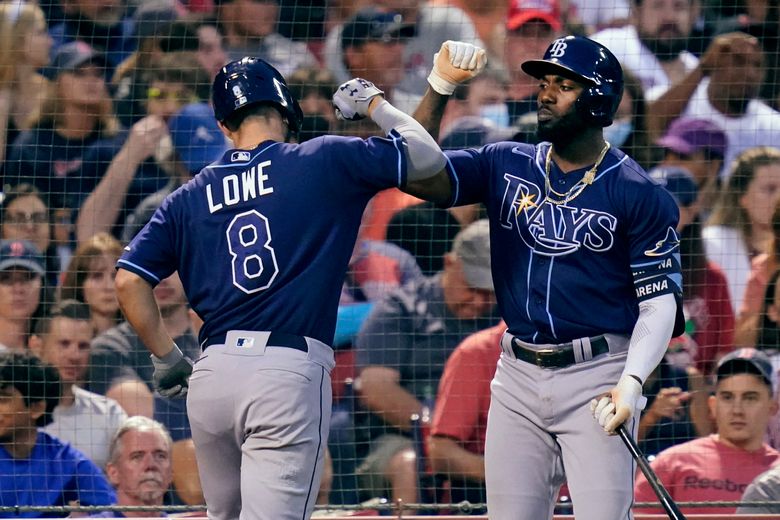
(262, 239)
(574, 269)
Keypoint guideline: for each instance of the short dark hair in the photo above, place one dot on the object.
(234, 120)
(71, 309)
(35, 380)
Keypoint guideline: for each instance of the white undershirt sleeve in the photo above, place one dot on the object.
(651, 336)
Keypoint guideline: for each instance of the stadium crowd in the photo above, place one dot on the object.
(104, 111)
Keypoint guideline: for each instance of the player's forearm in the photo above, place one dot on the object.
(136, 298)
(651, 336)
(101, 209)
(430, 111)
(448, 457)
(671, 104)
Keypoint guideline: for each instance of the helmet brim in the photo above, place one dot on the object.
(541, 68)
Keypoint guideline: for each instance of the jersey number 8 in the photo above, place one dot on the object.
(254, 262)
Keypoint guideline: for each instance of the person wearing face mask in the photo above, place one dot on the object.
(629, 129)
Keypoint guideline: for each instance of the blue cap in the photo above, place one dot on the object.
(371, 24)
(678, 182)
(70, 56)
(197, 139)
(20, 253)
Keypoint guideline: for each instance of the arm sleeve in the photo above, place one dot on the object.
(760, 490)
(385, 337)
(92, 488)
(651, 335)
(425, 158)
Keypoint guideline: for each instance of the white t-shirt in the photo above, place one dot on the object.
(89, 424)
(725, 246)
(633, 55)
(760, 126)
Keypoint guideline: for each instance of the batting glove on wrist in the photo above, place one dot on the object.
(618, 407)
(172, 373)
(352, 98)
(454, 64)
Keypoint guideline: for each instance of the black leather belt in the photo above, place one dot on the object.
(276, 339)
(559, 357)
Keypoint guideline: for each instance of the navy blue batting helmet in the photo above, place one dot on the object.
(588, 62)
(252, 80)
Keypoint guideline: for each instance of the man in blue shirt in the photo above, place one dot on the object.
(37, 469)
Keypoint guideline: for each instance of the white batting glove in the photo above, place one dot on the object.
(454, 64)
(610, 411)
(172, 373)
(352, 98)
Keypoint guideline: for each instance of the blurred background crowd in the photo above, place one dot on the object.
(104, 110)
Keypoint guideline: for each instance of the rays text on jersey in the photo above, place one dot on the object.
(235, 188)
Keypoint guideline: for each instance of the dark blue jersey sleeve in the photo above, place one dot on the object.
(367, 162)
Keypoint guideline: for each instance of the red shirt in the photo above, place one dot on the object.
(705, 469)
(464, 389)
(713, 317)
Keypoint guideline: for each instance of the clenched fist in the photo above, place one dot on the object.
(352, 99)
(454, 64)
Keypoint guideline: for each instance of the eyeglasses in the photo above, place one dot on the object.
(154, 93)
(26, 218)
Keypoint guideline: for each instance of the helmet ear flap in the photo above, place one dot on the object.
(597, 106)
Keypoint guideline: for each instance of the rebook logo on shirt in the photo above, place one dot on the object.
(694, 482)
(552, 229)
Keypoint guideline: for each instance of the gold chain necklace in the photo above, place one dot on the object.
(578, 188)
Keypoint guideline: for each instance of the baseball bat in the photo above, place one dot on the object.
(666, 500)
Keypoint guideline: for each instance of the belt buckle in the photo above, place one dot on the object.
(539, 356)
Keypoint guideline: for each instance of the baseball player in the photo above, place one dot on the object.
(587, 277)
(261, 240)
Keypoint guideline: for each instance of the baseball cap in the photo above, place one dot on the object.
(678, 182)
(153, 18)
(472, 247)
(70, 56)
(20, 253)
(523, 11)
(687, 135)
(374, 25)
(745, 361)
(196, 137)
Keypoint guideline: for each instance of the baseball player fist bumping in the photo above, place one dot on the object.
(618, 406)
(353, 98)
(172, 373)
(454, 64)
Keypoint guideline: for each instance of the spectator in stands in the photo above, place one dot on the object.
(456, 446)
(118, 354)
(723, 88)
(24, 215)
(628, 131)
(372, 46)
(483, 97)
(740, 226)
(402, 347)
(197, 142)
(698, 146)
(22, 292)
(136, 164)
(24, 50)
(37, 469)
(77, 113)
(140, 466)
(763, 267)
(175, 43)
(250, 29)
(764, 488)
(425, 25)
(530, 26)
(706, 302)
(720, 466)
(768, 333)
(654, 47)
(84, 419)
(90, 279)
(100, 23)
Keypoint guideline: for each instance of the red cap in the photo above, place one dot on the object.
(523, 11)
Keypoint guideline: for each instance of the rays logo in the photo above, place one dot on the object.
(550, 229)
(663, 247)
(558, 48)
